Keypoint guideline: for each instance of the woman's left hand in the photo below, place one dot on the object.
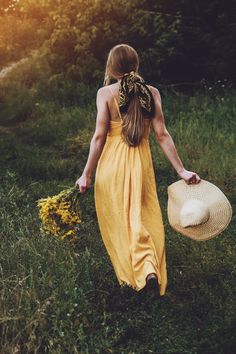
(189, 177)
(84, 183)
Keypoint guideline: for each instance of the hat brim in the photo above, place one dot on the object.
(218, 204)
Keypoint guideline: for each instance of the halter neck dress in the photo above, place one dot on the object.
(128, 210)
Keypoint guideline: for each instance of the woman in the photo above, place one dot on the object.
(127, 206)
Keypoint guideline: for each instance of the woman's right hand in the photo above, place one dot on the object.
(189, 177)
(84, 183)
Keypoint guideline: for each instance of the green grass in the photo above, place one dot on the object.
(58, 297)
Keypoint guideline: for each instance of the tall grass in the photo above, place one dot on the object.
(31, 86)
(58, 297)
(203, 128)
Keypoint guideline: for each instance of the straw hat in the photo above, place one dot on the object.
(199, 211)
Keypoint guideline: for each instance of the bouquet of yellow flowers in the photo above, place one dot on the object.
(60, 214)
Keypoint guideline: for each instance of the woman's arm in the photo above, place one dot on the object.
(167, 144)
(97, 143)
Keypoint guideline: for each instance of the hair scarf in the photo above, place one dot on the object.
(131, 84)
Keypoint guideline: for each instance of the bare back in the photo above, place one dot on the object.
(113, 105)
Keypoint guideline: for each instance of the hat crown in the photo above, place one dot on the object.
(193, 212)
(200, 200)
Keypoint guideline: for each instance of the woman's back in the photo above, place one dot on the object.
(113, 102)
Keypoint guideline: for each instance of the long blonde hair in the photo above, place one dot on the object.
(124, 59)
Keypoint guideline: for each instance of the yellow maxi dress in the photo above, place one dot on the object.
(128, 210)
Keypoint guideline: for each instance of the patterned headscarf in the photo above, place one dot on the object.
(132, 83)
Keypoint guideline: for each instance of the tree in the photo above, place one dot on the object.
(7, 6)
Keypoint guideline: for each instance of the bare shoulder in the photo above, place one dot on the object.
(102, 92)
(105, 91)
(102, 96)
(155, 92)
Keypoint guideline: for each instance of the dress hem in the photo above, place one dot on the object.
(124, 284)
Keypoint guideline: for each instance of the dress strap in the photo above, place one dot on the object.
(116, 103)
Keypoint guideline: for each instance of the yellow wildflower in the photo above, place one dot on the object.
(60, 214)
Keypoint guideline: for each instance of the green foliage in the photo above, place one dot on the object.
(24, 26)
(7, 5)
(185, 41)
(176, 41)
(84, 32)
(17, 103)
(25, 91)
(203, 129)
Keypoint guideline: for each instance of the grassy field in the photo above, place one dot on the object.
(59, 297)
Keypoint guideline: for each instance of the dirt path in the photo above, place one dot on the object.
(3, 74)
(4, 130)
(5, 71)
